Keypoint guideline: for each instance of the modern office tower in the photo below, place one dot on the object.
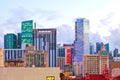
(10, 41)
(98, 46)
(107, 47)
(115, 52)
(19, 40)
(1, 57)
(95, 63)
(91, 49)
(27, 32)
(35, 58)
(81, 43)
(81, 38)
(45, 39)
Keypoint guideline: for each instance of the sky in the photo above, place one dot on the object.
(104, 17)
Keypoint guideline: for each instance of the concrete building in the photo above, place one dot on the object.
(35, 58)
(95, 63)
(45, 39)
(115, 68)
(22, 73)
(1, 57)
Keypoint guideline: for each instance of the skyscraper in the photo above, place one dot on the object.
(27, 32)
(91, 49)
(10, 41)
(19, 38)
(107, 47)
(45, 39)
(98, 46)
(115, 52)
(81, 39)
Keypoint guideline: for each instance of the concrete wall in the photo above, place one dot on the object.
(22, 73)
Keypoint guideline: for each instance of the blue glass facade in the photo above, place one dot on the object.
(81, 39)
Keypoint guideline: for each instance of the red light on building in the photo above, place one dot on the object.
(68, 56)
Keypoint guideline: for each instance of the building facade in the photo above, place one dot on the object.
(27, 32)
(45, 39)
(23, 73)
(115, 52)
(81, 39)
(10, 41)
(35, 58)
(19, 40)
(1, 57)
(13, 54)
(95, 63)
(92, 49)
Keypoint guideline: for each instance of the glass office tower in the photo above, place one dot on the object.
(81, 39)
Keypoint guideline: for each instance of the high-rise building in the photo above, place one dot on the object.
(98, 46)
(1, 57)
(115, 52)
(10, 41)
(19, 39)
(95, 63)
(45, 39)
(107, 47)
(81, 39)
(91, 49)
(27, 32)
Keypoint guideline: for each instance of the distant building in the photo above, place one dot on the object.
(81, 39)
(27, 32)
(1, 57)
(45, 39)
(92, 49)
(10, 41)
(115, 52)
(81, 43)
(107, 47)
(35, 58)
(95, 63)
(98, 46)
(13, 54)
(19, 40)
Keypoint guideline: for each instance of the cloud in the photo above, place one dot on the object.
(114, 38)
(12, 24)
(65, 34)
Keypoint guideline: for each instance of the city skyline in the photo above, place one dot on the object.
(49, 14)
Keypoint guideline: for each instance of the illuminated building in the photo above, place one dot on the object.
(27, 32)
(35, 58)
(95, 63)
(45, 39)
(10, 41)
(1, 57)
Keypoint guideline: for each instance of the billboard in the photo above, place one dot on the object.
(68, 56)
(27, 32)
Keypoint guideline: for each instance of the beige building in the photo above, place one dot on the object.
(35, 58)
(22, 73)
(95, 63)
(1, 57)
